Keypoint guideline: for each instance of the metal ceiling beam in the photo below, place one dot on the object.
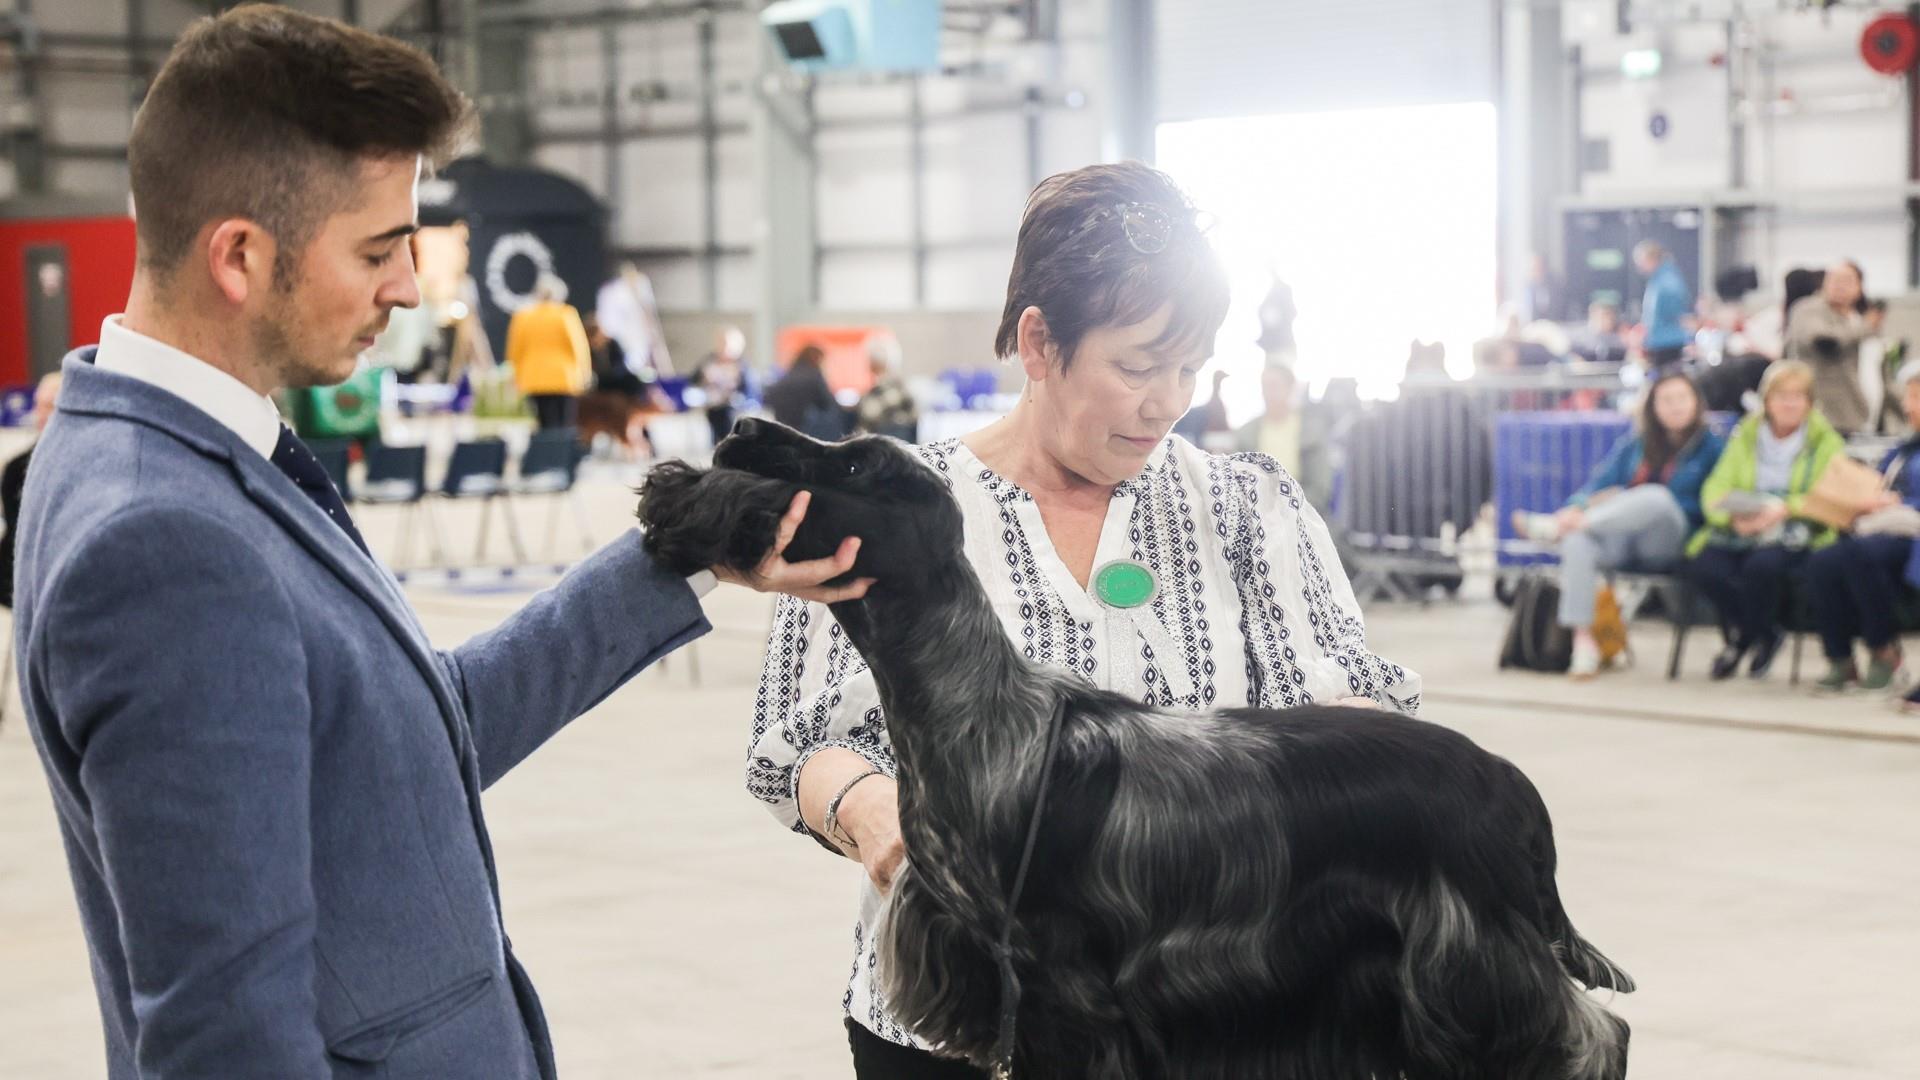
(535, 16)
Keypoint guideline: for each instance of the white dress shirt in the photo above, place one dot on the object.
(229, 401)
(194, 381)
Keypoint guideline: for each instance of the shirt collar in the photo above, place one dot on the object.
(229, 401)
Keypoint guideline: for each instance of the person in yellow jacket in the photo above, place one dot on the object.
(552, 364)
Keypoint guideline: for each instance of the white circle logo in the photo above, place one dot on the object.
(504, 249)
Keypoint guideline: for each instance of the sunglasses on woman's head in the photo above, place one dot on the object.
(1147, 227)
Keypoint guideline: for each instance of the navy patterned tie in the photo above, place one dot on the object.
(292, 457)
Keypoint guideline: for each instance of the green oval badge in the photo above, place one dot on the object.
(1124, 583)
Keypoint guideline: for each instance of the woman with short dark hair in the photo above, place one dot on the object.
(1110, 548)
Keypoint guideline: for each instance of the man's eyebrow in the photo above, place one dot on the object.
(394, 233)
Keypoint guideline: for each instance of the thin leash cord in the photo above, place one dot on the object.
(1003, 951)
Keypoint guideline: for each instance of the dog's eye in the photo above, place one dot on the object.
(853, 468)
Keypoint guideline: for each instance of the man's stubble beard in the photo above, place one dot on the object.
(275, 337)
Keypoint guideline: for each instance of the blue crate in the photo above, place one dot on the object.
(1539, 460)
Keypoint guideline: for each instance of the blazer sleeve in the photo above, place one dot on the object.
(569, 648)
(166, 649)
(815, 692)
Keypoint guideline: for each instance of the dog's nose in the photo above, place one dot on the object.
(747, 427)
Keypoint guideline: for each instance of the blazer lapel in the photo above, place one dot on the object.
(90, 391)
(329, 544)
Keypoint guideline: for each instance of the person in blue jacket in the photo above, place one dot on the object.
(1857, 581)
(1665, 308)
(1636, 511)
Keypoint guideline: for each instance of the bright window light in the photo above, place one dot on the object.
(1381, 220)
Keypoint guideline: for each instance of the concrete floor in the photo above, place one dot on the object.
(1748, 852)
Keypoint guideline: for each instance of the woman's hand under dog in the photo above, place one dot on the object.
(806, 580)
(871, 812)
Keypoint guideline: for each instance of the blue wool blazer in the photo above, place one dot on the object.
(267, 780)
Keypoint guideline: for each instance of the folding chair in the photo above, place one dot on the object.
(549, 469)
(397, 476)
(477, 470)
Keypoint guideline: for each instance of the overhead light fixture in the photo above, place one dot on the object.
(866, 35)
(1641, 64)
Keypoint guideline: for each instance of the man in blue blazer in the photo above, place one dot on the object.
(267, 780)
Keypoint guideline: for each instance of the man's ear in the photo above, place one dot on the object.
(240, 257)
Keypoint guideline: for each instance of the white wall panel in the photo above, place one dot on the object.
(1222, 58)
(677, 285)
(976, 180)
(739, 284)
(735, 187)
(87, 110)
(861, 186)
(584, 162)
(866, 281)
(970, 279)
(663, 202)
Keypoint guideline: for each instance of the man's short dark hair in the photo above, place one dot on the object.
(266, 114)
(1084, 264)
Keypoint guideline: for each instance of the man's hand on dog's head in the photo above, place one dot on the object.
(806, 580)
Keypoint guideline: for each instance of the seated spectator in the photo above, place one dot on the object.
(1636, 511)
(1825, 331)
(888, 408)
(13, 481)
(1754, 539)
(1294, 436)
(802, 401)
(1857, 582)
(1600, 342)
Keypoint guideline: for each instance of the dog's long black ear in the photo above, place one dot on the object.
(699, 518)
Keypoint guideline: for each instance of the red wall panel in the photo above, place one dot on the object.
(100, 253)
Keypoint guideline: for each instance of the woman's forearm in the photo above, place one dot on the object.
(822, 777)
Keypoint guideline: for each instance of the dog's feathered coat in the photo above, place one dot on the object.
(1315, 893)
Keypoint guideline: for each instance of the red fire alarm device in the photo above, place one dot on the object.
(1890, 44)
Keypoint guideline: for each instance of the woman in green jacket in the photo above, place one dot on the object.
(1755, 538)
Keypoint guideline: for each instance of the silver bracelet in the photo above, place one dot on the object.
(831, 826)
